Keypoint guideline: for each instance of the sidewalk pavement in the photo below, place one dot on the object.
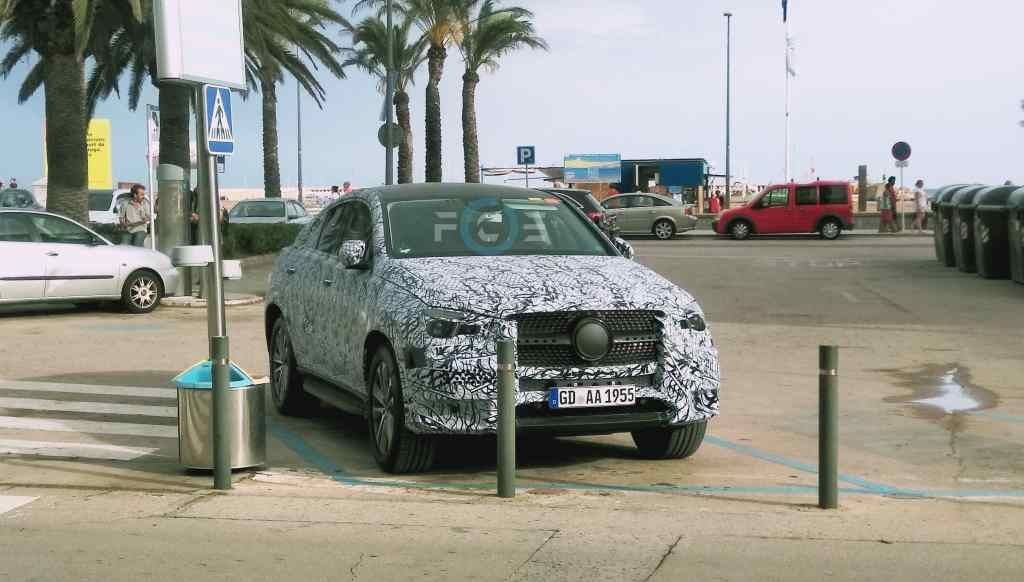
(192, 302)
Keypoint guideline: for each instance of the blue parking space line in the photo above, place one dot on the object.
(798, 465)
(999, 416)
(300, 447)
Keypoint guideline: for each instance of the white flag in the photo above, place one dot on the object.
(153, 131)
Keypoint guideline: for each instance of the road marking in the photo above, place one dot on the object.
(79, 450)
(850, 297)
(96, 407)
(89, 427)
(9, 502)
(88, 389)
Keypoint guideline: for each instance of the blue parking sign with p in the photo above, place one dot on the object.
(526, 155)
(220, 132)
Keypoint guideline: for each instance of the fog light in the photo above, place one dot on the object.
(693, 322)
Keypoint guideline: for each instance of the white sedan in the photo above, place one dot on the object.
(46, 257)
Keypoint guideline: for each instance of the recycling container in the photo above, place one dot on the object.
(963, 204)
(943, 227)
(1015, 228)
(991, 240)
(246, 418)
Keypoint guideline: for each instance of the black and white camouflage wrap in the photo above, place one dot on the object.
(451, 388)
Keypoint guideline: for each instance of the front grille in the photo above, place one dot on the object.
(545, 338)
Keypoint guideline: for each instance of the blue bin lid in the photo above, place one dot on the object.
(200, 377)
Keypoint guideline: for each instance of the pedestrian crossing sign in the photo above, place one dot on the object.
(220, 134)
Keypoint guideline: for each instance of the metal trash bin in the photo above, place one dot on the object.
(943, 227)
(991, 240)
(962, 204)
(1015, 228)
(246, 418)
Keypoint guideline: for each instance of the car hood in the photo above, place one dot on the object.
(503, 286)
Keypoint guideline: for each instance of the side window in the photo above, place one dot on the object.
(806, 195)
(835, 195)
(58, 230)
(642, 202)
(358, 227)
(776, 198)
(293, 211)
(660, 202)
(15, 228)
(333, 231)
(614, 203)
(299, 210)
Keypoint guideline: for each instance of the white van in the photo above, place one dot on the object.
(104, 205)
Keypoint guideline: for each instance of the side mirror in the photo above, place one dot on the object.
(353, 254)
(624, 247)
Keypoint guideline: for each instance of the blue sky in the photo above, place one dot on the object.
(646, 79)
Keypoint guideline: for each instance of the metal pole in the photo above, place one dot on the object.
(298, 109)
(788, 177)
(903, 214)
(527, 175)
(214, 286)
(828, 427)
(389, 99)
(149, 180)
(728, 111)
(506, 419)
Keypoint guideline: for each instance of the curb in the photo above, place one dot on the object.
(197, 303)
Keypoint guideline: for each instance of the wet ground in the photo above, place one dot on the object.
(932, 401)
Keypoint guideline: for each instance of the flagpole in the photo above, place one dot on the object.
(788, 75)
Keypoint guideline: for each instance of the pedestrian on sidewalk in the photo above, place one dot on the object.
(920, 207)
(715, 204)
(346, 188)
(886, 205)
(134, 218)
(14, 184)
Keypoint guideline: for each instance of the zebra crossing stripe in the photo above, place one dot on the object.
(9, 502)
(95, 407)
(88, 427)
(88, 389)
(77, 450)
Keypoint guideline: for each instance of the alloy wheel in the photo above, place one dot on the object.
(382, 409)
(830, 230)
(280, 367)
(663, 230)
(143, 292)
(740, 230)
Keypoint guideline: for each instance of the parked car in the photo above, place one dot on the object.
(104, 205)
(268, 212)
(46, 257)
(821, 207)
(642, 213)
(586, 202)
(390, 303)
(20, 199)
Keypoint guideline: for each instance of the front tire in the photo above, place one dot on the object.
(830, 229)
(670, 443)
(740, 230)
(286, 382)
(142, 292)
(664, 230)
(395, 449)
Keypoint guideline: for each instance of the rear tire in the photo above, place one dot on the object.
(286, 382)
(395, 449)
(740, 230)
(142, 292)
(664, 230)
(670, 443)
(830, 229)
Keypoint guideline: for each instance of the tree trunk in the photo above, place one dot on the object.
(435, 61)
(405, 147)
(470, 140)
(271, 160)
(67, 156)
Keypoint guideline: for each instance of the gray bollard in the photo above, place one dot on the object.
(506, 419)
(828, 427)
(221, 376)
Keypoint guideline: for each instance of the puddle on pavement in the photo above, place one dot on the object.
(941, 390)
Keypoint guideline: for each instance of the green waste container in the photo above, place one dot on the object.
(962, 204)
(1015, 227)
(943, 227)
(246, 418)
(991, 241)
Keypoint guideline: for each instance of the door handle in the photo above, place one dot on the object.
(290, 270)
(328, 282)
(53, 254)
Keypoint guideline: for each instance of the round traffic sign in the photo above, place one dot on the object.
(396, 135)
(901, 151)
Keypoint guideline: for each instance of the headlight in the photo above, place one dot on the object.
(446, 324)
(694, 321)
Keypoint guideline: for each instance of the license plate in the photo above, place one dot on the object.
(591, 396)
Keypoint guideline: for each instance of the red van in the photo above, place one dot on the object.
(821, 207)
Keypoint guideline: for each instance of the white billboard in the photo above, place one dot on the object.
(200, 41)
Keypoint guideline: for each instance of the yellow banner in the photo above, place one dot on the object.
(101, 170)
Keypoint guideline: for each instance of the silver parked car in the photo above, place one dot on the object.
(18, 199)
(391, 302)
(48, 258)
(265, 211)
(641, 213)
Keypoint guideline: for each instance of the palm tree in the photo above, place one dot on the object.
(494, 33)
(370, 52)
(61, 34)
(441, 22)
(278, 34)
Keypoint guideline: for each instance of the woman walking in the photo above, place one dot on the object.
(886, 205)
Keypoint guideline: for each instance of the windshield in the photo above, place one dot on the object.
(473, 226)
(16, 199)
(99, 201)
(259, 210)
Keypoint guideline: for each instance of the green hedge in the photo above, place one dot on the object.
(238, 240)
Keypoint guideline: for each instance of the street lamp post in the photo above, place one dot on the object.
(728, 110)
(389, 98)
(298, 109)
